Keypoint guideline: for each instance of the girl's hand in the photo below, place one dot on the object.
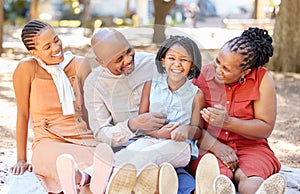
(20, 168)
(180, 133)
(215, 115)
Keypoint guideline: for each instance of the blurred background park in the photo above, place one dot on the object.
(146, 23)
(279, 17)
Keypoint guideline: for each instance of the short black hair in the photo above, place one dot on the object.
(191, 48)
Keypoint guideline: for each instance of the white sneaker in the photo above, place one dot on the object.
(102, 167)
(275, 184)
(168, 180)
(207, 171)
(66, 168)
(223, 185)
(123, 180)
(147, 180)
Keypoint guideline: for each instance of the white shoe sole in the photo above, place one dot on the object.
(275, 184)
(207, 171)
(103, 162)
(147, 180)
(168, 180)
(66, 167)
(123, 181)
(223, 185)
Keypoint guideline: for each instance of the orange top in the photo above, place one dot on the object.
(47, 117)
(55, 133)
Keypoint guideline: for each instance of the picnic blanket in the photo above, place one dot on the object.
(29, 184)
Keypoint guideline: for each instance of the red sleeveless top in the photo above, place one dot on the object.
(238, 98)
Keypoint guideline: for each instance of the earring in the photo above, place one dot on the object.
(242, 80)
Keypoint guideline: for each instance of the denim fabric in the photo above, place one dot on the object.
(185, 181)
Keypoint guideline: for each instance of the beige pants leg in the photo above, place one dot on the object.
(158, 151)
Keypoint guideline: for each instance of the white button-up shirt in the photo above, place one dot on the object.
(112, 100)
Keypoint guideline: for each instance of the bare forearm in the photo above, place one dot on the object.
(147, 121)
(195, 132)
(207, 141)
(133, 124)
(251, 129)
(21, 139)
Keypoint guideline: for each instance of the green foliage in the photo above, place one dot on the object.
(15, 10)
(16, 6)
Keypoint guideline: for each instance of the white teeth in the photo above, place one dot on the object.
(56, 55)
(176, 71)
(219, 76)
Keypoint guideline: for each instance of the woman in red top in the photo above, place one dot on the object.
(240, 114)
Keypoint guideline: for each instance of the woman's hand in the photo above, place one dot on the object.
(226, 154)
(215, 115)
(20, 168)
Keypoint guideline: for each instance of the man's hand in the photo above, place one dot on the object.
(148, 121)
(181, 133)
(165, 131)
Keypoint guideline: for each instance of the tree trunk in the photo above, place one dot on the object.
(287, 38)
(259, 9)
(127, 11)
(1, 24)
(86, 21)
(34, 9)
(161, 10)
(86, 15)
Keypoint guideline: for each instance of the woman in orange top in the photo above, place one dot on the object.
(49, 89)
(240, 113)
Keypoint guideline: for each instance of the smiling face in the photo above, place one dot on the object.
(113, 51)
(228, 69)
(178, 64)
(122, 63)
(48, 47)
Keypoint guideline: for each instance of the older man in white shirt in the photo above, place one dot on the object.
(112, 94)
(113, 89)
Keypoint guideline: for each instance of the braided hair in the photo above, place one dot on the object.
(254, 45)
(191, 48)
(30, 30)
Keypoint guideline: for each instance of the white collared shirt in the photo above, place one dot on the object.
(112, 100)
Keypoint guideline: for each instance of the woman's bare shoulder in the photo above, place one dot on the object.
(83, 67)
(81, 61)
(25, 70)
(26, 65)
